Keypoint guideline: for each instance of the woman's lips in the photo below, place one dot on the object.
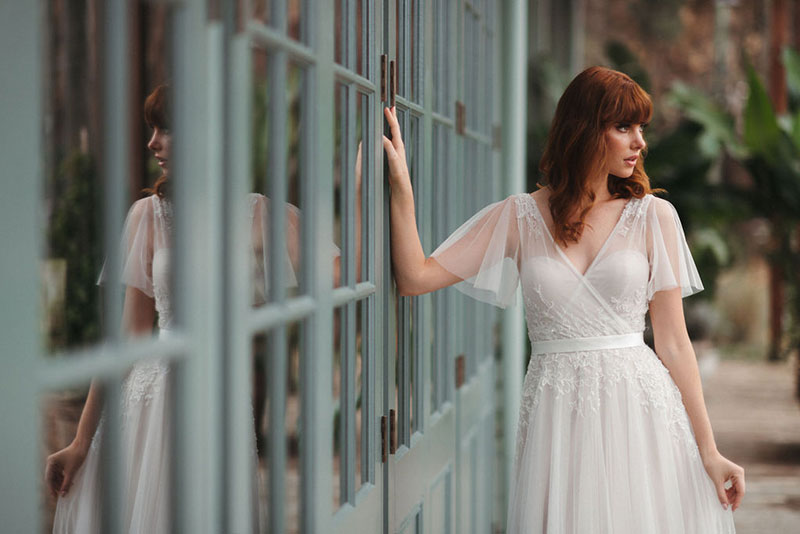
(631, 160)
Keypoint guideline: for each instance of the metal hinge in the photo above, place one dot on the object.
(461, 371)
(392, 431)
(384, 430)
(461, 118)
(384, 77)
(392, 81)
(388, 431)
(497, 133)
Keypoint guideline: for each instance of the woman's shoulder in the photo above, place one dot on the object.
(658, 206)
(142, 207)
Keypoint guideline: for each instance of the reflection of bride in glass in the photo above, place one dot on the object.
(73, 473)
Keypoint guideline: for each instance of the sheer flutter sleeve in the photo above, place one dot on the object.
(138, 245)
(484, 253)
(671, 263)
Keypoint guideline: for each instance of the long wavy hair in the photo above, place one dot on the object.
(157, 113)
(597, 99)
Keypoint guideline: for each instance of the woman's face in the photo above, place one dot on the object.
(624, 144)
(160, 144)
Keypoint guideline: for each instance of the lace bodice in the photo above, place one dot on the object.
(508, 242)
(560, 303)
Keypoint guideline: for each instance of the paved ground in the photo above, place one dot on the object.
(756, 423)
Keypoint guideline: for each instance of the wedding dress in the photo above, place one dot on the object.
(604, 444)
(146, 395)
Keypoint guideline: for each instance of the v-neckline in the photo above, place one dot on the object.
(564, 254)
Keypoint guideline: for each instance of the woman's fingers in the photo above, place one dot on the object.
(66, 483)
(738, 488)
(389, 147)
(721, 494)
(52, 478)
(394, 127)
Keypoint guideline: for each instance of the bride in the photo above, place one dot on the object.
(613, 437)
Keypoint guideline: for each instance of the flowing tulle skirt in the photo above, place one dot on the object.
(605, 446)
(146, 462)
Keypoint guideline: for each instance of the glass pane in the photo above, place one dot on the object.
(265, 11)
(363, 45)
(277, 411)
(295, 18)
(348, 184)
(261, 11)
(278, 163)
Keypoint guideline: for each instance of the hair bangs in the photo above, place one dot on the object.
(156, 108)
(627, 103)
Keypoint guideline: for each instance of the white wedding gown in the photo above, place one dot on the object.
(146, 392)
(604, 443)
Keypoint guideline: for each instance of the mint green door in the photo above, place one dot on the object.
(441, 373)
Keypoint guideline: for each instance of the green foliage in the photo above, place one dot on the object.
(761, 131)
(624, 60)
(74, 234)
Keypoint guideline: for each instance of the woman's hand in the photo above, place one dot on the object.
(399, 179)
(61, 467)
(720, 470)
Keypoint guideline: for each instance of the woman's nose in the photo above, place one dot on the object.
(153, 143)
(638, 139)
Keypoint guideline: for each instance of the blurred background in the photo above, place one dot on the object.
(724, 142)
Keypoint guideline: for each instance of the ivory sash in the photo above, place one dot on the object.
(618, 341)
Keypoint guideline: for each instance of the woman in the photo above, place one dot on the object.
(73, 473)
(612, 437)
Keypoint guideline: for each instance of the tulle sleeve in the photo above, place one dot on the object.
(138, 245)
(671, 263)
(484, 253)
(261, 253)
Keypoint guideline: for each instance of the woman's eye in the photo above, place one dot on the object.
(623, 127)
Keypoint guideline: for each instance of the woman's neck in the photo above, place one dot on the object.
(599, 186)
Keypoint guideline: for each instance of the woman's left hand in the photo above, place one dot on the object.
(720, 470)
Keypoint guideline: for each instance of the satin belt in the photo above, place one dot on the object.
(619, 341)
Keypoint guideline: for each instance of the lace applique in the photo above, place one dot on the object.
(631, 216)
(632, 308)
(144, 382)
(526, 207)
(583, 379)
(548, 319)
(163, 211)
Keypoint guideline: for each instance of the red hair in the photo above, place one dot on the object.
(157, 115)
(597, 99)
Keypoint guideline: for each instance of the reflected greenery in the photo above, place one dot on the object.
(74, 237)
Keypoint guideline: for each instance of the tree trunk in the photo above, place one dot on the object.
(778, 38)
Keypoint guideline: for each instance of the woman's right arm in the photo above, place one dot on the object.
(137, 318)
(414, 273)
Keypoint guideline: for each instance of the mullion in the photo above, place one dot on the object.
(276, 370)
(349, 30)
(368, 381)
(405, 73)
(277, 187)
(347, 404)
(404, 415)
(278, 17)
(115, 162)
